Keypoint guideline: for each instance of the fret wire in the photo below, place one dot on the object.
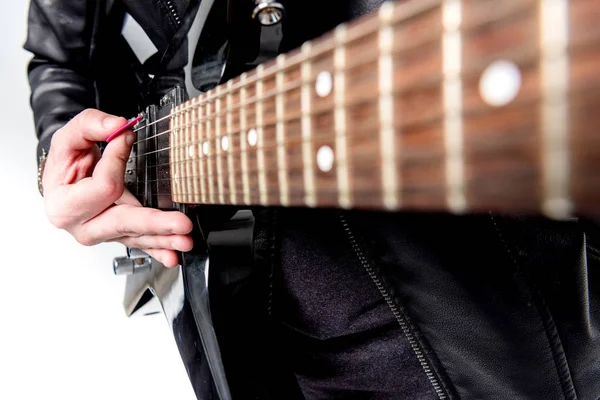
(194, 151)
(211, 194)
(554, 72)
(218, 147)
(280, 133)
(244, 141)
(202, 139)
(230, 165)
(172, 156)
(186, 150)
(452, 100)
(309, 176)
(340, 62)
(260, 155)
(386, 108)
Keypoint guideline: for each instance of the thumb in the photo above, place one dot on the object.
(110, 170)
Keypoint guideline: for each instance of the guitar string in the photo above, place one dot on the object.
(518, 105)
(257, 170)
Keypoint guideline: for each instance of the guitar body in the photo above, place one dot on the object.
(223, 256)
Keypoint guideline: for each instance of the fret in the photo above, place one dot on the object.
(282, 174)
(323, 128)
(452, 99)
(500, 82)
(244, 139)
(187, 151)
(218, 146)
(584, 104)
(173, 151)
(201, 154)
(269, 151)
(260, 130)
(362, 119)
(209, 150)
(344, 198)
(554, 72)
(236, 142)
(418, 105)
(178, 143)
(307, 145)
(294, 158)
(231, 150)
(252, 139)
(194, 150)
(386, 109)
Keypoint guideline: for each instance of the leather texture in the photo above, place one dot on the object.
(499, 307)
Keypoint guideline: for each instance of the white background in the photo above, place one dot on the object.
(63, 330)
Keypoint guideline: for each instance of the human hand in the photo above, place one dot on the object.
(85, 194)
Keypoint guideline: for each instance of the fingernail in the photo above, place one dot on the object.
(110, 122)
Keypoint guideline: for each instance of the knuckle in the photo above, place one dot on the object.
(112, 188)
(88, 113)
(85, 239)
(58, 221)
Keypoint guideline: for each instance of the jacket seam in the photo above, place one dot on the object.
(554, 342)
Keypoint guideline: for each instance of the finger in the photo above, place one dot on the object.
(168, 258)
(83, 131)
(158, 242)
(126, 220)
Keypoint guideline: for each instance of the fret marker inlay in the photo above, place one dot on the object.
(324, 84)
(325, 158)
(500, 83)
(225, 143)
(252, 137)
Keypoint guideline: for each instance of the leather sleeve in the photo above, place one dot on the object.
(59, 35)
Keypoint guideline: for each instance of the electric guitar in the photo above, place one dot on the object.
(428, 105)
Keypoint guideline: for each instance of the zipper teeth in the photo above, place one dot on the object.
(397, 313)
(173, 12)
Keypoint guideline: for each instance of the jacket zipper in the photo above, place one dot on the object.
(173, 11)
(398, 314)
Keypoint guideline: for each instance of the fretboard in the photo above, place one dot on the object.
(453, 105)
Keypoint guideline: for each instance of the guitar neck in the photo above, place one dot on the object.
(426, 105)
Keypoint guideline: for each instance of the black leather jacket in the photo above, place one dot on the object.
(402, 305)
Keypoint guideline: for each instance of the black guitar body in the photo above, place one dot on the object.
(216, 301)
